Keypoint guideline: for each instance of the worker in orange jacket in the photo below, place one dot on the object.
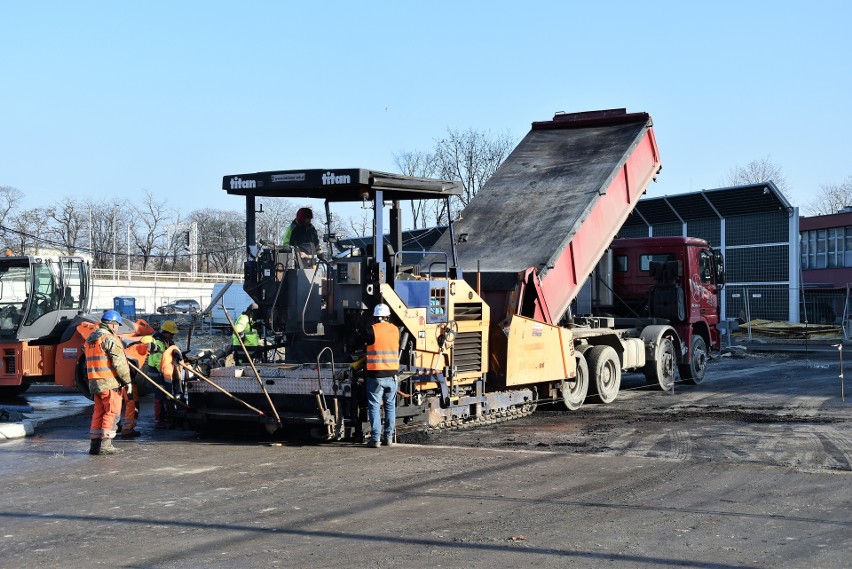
(108, 373)
(382, 368)
(171, 372)
(162, 341)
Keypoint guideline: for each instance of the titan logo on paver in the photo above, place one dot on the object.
(329, 179)
(69, 353)
(240, 184)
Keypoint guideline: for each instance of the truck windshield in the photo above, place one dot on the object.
(45, 297)
(15, 284)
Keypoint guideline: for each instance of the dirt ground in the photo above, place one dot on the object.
(776, 409)
(749, 469)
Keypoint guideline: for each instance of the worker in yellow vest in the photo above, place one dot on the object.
(244, 329)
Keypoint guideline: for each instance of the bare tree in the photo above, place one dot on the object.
(27, 231)
(422, 165)
(756, 172)
(221, 238)
(152, 217)
(67, 225)
(472, 157)
(831, 198)
(107, 234)
(10, 198)
(362, 226)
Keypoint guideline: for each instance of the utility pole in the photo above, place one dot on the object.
(193, 249)
(114, 239)
(128, 253)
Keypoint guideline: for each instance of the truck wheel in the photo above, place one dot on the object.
(574, 390)
(13, 390)
(662, 370)
(694, 371)
(605, 372)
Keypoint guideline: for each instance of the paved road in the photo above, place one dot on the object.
(751, 469)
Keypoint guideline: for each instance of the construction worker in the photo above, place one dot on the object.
(244, 329)
(382, 368)
(302, 235)
(172, 374)
(108, 373)
(162, 341)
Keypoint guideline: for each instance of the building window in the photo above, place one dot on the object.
(826, 248)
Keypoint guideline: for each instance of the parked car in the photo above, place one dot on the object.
(184, 306)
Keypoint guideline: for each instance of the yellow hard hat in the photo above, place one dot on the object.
(169, 326)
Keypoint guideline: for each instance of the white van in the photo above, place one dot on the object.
(235, 298)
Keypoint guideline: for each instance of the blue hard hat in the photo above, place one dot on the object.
(111, 316)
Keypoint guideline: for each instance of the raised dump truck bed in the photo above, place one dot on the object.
(551, 210)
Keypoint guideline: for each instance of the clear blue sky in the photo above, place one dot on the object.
(111, 98)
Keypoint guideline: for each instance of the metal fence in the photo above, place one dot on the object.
(823, 307)
(164, 276)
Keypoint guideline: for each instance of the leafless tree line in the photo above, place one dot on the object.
(153, 233)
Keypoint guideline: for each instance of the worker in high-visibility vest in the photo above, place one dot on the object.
(162, 341)
(382, 369)
(244, 329)
(172, 374)
(108, 373)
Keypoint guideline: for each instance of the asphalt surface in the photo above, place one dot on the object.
(749, 469)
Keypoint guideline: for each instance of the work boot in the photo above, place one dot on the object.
(108, 448)
(373, 444)
(129, 433)
(387, 441)
(95, 447)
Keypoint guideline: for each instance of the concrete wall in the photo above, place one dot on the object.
(148, 294)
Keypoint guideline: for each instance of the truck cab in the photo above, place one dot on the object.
(677, 279)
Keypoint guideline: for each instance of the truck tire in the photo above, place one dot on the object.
(604, 372)
(13, 390)
(694, 371)
(662, 370)
(574, 390)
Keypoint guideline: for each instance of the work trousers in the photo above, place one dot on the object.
(381, 391)
(131, 409)
(107, 408)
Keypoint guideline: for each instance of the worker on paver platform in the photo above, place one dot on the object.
(162, 341)
(301, 234)
(108, 373)
(244, 329)
(382, 369)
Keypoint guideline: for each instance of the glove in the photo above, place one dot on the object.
(129, 387)
(177, 356)
(321, 256)
(242, 336)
